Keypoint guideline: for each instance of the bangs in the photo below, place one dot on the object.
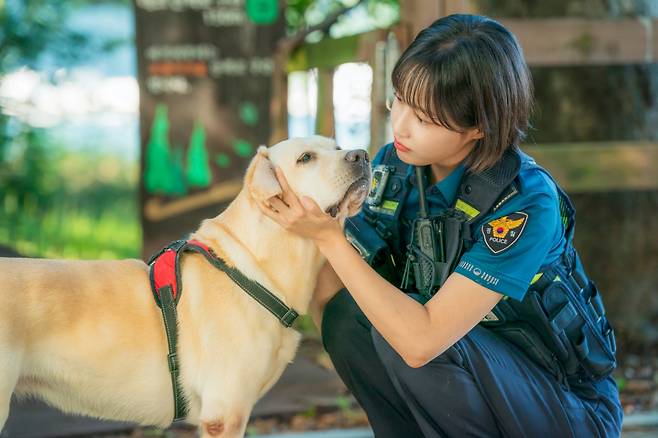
(429, 91)
(468, 71)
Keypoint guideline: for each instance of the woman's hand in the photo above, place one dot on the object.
(302, 217)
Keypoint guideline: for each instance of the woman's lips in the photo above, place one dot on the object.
(399, 146)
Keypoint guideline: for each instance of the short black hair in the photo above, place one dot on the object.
(466, 71)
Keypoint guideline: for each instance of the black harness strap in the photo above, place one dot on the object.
(170, 317)
(286, 315)
(167, 298)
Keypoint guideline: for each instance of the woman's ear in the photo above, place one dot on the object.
(260, 179)
(477, 134)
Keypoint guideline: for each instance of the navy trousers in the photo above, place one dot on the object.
(482, 386)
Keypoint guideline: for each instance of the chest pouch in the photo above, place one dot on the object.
(436, 244)
(561, 321)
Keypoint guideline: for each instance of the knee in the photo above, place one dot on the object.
(395, 363)
(386, 353)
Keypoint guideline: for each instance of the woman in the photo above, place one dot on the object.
(426, 367)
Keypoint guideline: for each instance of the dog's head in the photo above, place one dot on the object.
(316, 167)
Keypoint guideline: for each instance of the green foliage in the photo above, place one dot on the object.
(296, 13)
(305, 13)
(30, 29)
(305, 325)
(63, 204)
(621, 382)
(24, 178)
(310, 412)
(52, 201)
(343, 403)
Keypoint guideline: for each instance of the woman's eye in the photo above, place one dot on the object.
(305, 158)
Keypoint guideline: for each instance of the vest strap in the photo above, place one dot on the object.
(478, 192)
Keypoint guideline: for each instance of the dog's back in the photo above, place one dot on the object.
(69, 328)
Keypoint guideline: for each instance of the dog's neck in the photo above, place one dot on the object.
(263, 242)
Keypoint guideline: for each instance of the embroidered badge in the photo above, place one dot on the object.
(502, 233)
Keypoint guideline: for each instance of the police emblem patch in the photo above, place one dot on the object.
(502, 233)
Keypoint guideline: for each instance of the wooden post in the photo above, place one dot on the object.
(378, 97)
(383, 60)
(418, 14)
(449, 7)
(279, 101)
(324, 121)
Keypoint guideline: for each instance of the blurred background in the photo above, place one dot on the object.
(124, 123)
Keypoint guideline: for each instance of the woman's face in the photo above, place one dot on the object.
(420, 142)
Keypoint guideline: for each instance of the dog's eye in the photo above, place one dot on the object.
(305, 158)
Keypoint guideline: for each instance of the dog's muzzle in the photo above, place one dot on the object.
(359, 163)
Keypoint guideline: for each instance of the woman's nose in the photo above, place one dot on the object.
(399, 120)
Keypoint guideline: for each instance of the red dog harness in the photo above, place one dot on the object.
(167, 287)
(165, 266)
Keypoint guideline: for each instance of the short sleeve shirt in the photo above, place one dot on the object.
(512, 243)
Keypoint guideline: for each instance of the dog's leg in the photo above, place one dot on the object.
(9, 373)
(222, 419)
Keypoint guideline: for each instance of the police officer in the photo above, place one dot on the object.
(510, 339)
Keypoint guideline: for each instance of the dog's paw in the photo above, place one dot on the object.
(213, 428)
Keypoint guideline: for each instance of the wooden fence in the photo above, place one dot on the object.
(573, 41)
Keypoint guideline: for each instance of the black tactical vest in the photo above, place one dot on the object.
(560, 323)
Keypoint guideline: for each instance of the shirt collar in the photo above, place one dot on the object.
(448, 186)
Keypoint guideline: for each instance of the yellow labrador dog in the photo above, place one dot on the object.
(88, 338)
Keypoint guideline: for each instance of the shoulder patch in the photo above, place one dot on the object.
(500, 234)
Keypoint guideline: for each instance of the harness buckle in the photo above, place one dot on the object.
(289, 317)
(172, 362)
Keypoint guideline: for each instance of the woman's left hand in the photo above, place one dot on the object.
(301, 216)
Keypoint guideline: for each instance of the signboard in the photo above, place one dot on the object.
(204, 72)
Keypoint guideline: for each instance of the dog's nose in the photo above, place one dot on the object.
(356, 155)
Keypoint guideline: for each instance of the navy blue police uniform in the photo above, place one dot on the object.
(484, 385)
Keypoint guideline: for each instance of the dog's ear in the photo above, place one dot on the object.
(260, 180)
